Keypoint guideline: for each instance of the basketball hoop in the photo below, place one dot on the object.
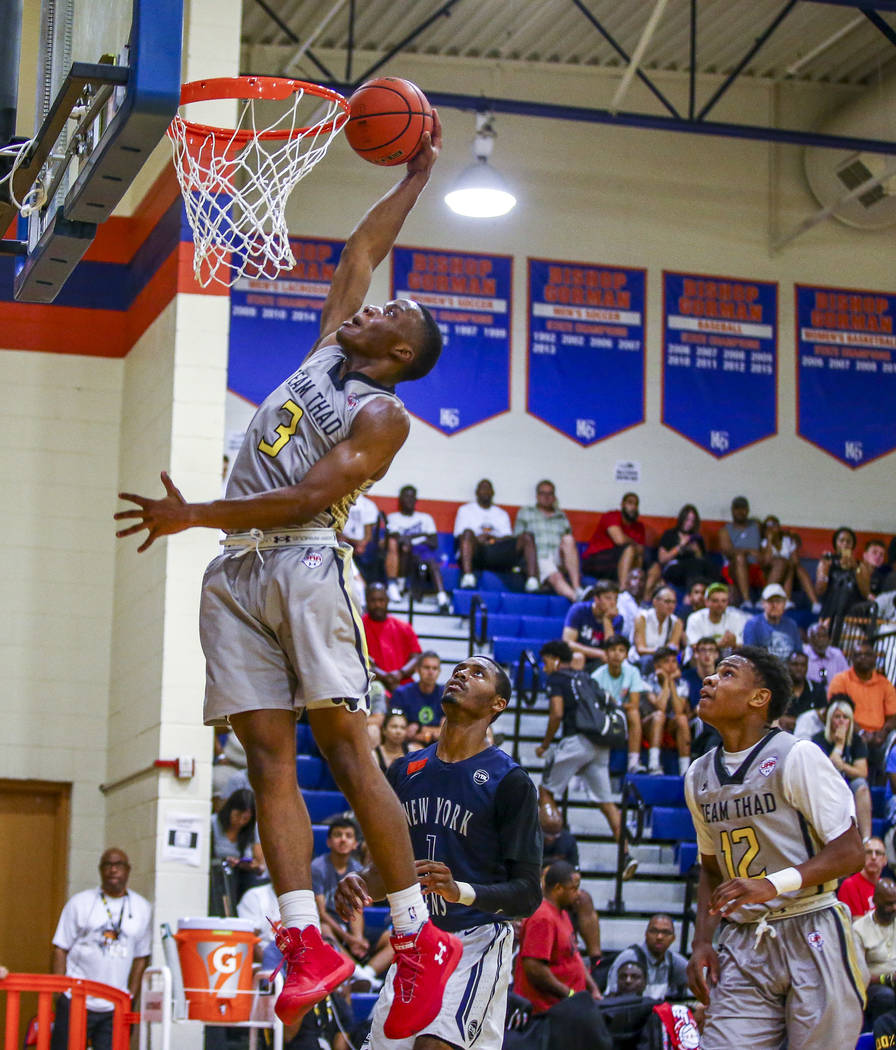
(236, 181)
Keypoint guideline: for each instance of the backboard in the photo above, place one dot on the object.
(107, 86)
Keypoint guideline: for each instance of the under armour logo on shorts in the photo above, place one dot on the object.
(816, 940)
(312, 559)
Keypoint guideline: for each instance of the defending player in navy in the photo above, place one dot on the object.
(278, 623)
(473, 817)
(775, 828)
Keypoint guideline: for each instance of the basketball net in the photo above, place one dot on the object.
(236, 182)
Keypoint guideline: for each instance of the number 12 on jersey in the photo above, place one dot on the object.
(731, 842)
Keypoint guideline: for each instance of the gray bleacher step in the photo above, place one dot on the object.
(617, 933)
(637, 895)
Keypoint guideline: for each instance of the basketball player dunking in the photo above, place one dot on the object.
(776, 829)
(473, 814)
(277, 620)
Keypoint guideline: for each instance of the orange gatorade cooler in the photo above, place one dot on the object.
(216, 964)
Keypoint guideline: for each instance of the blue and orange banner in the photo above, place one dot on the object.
(586, 348)
(470, 297)
(720, 360)
(846, 371)
(275, 322)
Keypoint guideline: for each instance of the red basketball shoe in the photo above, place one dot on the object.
(424, 961)
(313, 970)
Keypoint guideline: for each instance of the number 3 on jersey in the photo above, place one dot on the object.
(733, 839)
(285, 431)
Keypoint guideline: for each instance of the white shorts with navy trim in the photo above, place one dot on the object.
(475, 999)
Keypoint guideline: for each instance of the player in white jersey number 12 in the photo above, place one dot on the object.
(278, 623)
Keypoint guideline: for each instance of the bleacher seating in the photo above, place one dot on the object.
(363, 1004)
(511, 603)
(673, 823)
(659, 791)
(323, 804)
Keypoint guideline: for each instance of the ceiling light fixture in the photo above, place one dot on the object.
(479, 191)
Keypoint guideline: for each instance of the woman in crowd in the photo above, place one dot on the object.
(235, 839)
(849, 754)
(840, 579)
(682, 551)
(657, 627)
(394, 743)
(781, 548)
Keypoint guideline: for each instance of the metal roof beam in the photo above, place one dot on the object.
(862, 5)
(646, 36)
(291, 36)
(885, 27)
(623, 54)
(739, 68)
(443, 12)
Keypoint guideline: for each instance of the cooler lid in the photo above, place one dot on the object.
(214, 922)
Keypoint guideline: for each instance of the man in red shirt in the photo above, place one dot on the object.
(549, 967)
(617, 544)
(857, 892)
(392, 645)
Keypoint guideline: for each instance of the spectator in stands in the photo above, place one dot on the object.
(718, 620)
(235, 839)
(667, 1026)
(666, 968)
(555, 545)
(806, 695)
(840, 580)
(548, 967)
(703, 663)
(875, 557)
(411, 542)
(771, 629)
(623, 682)
(104, 934)
(740, 541)
(421, 701)
(394, 739)
(631, 601)
(230, 760)
(781, 552)
(361, 532)
(825, 660)
(588, 624)
(874, 698)
(857, 891)
(617, 543)
(849, 753)
(681, 554)
(667, 694)
(326, 871)
(657, 626)
(575, 754)
(694, 598)
(392, 645)
(875, 937)
(485, 540)
(560, 844)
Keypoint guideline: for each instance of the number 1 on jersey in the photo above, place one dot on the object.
(285, 431)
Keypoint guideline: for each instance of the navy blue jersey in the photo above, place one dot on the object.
(476, 816)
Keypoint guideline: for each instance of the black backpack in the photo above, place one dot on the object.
(596, 716)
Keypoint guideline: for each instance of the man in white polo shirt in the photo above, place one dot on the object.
(485, 540)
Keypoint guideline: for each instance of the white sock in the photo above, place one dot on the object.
(401, 582)
(683, 764)
(633, 759)
(298, 909)
(409, 911)
(442, 598)
(653, 760)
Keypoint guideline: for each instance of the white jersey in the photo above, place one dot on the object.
(362, 513)
(779, 806)
(298, 424)
(417, 524)
(488, 521)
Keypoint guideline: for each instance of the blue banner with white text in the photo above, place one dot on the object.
(469, 295)
(720, 360)
(586, 348)
(274, 322)
(846, 372)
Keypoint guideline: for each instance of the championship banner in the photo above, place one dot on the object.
(275, 322)
(846, 372)
(720, 360)
(586, 348)
(469, 295)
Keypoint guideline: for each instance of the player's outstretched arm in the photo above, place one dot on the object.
(375, 234)
(379, 431)
(703, 966)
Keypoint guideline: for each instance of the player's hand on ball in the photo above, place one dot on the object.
(436, 877)
(160, 517)
(430, 147)
(703, 971)
(735, 893)
(351, 895)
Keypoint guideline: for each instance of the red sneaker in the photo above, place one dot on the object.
(313, 970)
(424, 961)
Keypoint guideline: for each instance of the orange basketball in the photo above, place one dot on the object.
(387, 118)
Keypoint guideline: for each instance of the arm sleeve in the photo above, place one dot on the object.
(705, 842)
(427, 524)
(816, 789)
(460, 522)
(751, 633)
(521, 524)
(67, 928)
(516, 814)
(538, 939)
(889, 700)
(143, 946)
